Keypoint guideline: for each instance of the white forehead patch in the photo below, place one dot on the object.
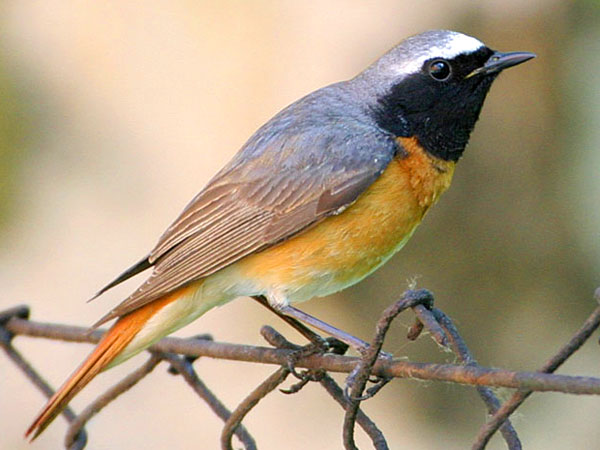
(456, 44)
(449, 46)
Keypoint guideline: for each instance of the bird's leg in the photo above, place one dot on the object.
(358, 344)
(298, 326)
(317, 343)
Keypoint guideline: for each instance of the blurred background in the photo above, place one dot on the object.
(114, 114)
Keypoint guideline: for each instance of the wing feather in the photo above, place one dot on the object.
(252, 205)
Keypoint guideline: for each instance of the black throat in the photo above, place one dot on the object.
(440, 114)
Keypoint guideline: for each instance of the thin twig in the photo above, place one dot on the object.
(111, 394)
(360, 375)
(472, 375)
(589, 326)
(235, 419)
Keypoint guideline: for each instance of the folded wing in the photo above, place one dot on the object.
(258, 200)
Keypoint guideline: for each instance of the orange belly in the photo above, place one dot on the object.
(342, 250)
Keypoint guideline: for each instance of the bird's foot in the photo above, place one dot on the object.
(328, 345)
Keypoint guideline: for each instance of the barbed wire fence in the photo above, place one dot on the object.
(317, 360)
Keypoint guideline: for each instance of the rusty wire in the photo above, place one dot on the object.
(460, 349)
(76, 426)
(266, 387)
(442, 331)
(274, 338)
(6, 336)
(318, 358)
(500, 416)
(358, 378)
(475, 375)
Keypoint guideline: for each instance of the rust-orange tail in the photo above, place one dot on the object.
(110, 346)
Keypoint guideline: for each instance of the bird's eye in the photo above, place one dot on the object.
(440, 70)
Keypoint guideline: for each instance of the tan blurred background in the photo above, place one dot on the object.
(114, 114)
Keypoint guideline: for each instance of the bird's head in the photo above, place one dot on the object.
(432, 86)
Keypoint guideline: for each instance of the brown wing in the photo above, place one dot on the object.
(305, 164)
(229, 221)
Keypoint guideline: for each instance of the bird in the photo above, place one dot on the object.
(317, 199)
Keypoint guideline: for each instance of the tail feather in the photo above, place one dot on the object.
(110, 346)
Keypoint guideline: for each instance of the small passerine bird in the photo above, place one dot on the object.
(317, 199)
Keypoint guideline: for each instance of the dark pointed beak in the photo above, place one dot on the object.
(500, 61)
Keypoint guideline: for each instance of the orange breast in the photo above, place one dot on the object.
(343, 249)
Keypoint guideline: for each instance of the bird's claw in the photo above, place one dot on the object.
(305, 377)
(328, 345)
